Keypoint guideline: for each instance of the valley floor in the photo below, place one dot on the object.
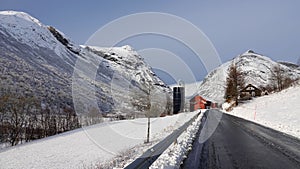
(105, 144)
(88, 147)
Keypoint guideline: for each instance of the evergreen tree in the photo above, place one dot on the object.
(234, 83)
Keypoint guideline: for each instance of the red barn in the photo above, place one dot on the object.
(197, 102)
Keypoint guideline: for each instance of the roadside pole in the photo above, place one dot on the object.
(255, 112)
(148, 130)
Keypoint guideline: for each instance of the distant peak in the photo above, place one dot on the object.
(251, 54)
(128, 48)
(11, 13)
(22, 15)
(249, 51)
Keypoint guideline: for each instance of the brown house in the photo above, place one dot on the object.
(250, 91)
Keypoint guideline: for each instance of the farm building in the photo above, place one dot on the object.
(198, 102)
(250, 91)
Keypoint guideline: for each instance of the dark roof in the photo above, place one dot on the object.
(249, 85)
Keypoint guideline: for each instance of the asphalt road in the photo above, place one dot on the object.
(237, 143)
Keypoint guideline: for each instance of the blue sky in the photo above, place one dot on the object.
(269, 27)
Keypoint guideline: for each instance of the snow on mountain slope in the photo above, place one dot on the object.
(190, 88)
(279, 111)
(136, 68)
(290, 65)
(213, 86)
(84, 148)
(129, 80)
(255, 67)
(29, 31)
(41, 60)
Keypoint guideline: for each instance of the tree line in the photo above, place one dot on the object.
(24, 117)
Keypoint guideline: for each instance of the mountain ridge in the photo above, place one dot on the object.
(40, 60)
(255, 67)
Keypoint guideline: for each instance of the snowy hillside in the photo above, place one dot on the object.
(279, 111)
(40, 60)
(256, 68)
(26, 30)
(96, 145)
(132, 80)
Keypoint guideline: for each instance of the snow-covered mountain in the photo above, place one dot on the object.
(256, 68)
(39, 59)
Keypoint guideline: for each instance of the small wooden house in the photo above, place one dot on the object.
(250, 91)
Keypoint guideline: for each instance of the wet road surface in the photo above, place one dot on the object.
(237, 143)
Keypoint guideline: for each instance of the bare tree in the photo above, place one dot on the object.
(234, 83)
(22, 118)
(277, 77)
(19, 109)
(280, 79)
(3, 118)
(287, 82)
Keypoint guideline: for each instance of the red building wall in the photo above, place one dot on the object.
(198, 102)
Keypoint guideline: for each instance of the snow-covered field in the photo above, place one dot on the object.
(89, 147)
(280, 111)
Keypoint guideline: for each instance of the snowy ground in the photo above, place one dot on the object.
(89, 147)
(106, 144)
(280, 111)
(175, 154)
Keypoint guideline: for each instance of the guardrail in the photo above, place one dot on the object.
(146, 159)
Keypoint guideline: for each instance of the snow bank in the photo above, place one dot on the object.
(279, 111)
(87, 147)
(176, 153)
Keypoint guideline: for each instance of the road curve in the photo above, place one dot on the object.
(238, 143)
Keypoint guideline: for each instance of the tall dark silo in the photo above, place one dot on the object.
(178, 99)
